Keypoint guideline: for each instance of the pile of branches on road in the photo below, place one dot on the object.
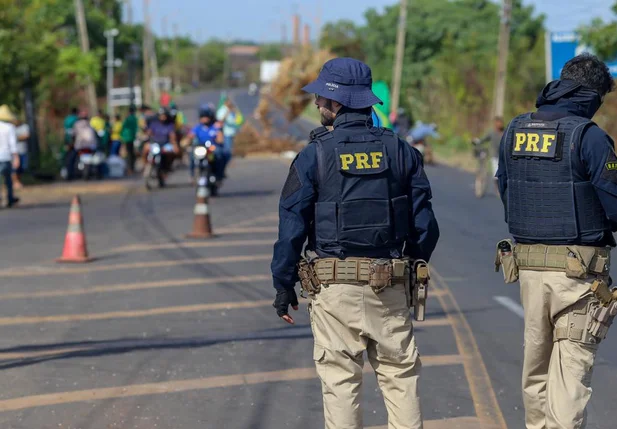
(250, 141)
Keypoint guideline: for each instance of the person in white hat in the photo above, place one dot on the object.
(9, 156)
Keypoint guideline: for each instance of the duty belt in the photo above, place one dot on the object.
(541, 257)
(361, 270)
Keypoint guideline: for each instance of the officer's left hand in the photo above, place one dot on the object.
(284, 298)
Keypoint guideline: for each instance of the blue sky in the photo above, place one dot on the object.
(262, 20)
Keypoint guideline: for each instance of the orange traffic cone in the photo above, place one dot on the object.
(201, 222)
(75, 249)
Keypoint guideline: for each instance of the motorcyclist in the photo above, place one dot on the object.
(208, 130)
(417, 138)
(162, 131)
(179, 120)
(83, 139)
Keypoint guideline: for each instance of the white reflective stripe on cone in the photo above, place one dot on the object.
(201, 209)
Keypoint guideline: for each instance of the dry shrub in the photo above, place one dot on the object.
(250, 141)
(296, 72)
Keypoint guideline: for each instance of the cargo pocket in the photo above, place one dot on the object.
(319, 356)
(319, 353)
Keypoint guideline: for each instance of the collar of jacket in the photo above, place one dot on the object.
(348, 119)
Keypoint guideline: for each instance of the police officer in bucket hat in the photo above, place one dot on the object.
(360, 195)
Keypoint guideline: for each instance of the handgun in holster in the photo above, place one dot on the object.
(420, 278)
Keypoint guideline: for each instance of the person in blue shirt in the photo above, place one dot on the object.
(207, 130)
(557, 179)
(361, 197)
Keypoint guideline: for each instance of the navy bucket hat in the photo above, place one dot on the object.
(347, 81)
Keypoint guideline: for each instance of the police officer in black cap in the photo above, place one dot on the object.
(558, 183)
(361, 197)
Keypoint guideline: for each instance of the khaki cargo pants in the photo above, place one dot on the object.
(556, 375)
(348, 319)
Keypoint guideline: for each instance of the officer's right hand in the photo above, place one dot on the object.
(284, 298)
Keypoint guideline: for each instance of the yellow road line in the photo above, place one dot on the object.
(174, 386)
(484, 398)
(150, 264)
(453, 423)
(6, 321)
(191, 245)
(133, 286)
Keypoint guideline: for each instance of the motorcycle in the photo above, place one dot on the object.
(157, 163)
(204, 157)
(88, 163)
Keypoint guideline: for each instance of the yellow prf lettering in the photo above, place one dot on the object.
(532, 142)
(520, 140)
(346, 159)
(376, 159)
(362, 161)
(547, 141)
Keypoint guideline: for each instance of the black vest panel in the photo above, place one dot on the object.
(545, 201)
(362, 205)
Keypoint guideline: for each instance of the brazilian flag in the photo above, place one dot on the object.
(381, 112)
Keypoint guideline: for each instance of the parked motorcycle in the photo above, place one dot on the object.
(86, 164)
(158, 162)
(204, 157)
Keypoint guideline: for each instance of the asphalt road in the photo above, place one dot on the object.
(164, 332)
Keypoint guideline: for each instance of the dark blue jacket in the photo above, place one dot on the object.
(297, 209)
(592, 160)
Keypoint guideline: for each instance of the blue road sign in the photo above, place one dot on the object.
(562, 46)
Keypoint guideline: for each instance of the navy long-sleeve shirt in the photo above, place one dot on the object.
(296, 213)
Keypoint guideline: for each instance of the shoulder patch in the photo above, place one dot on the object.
(609, 172)
(293, 183)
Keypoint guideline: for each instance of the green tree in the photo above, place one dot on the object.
(271, 51)
(450, 57)
(601, 36)
(343, 38)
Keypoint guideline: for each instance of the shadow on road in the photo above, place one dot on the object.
(68, 350)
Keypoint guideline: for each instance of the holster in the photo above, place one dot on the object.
(420, 277)
(590, 320)
(507, 262)
(308, 278)
(602, 315)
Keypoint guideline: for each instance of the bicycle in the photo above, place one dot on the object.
(483, 169)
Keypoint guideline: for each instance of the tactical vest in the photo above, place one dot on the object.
(362, 207)
(545, 200)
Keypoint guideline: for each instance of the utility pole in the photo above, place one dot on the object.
(196, 60)
(147, 93)
(502, 60)
(398, 60)
(156, 90)
(175, 77)
(111, 63)
(85, 48)
(129, 12)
